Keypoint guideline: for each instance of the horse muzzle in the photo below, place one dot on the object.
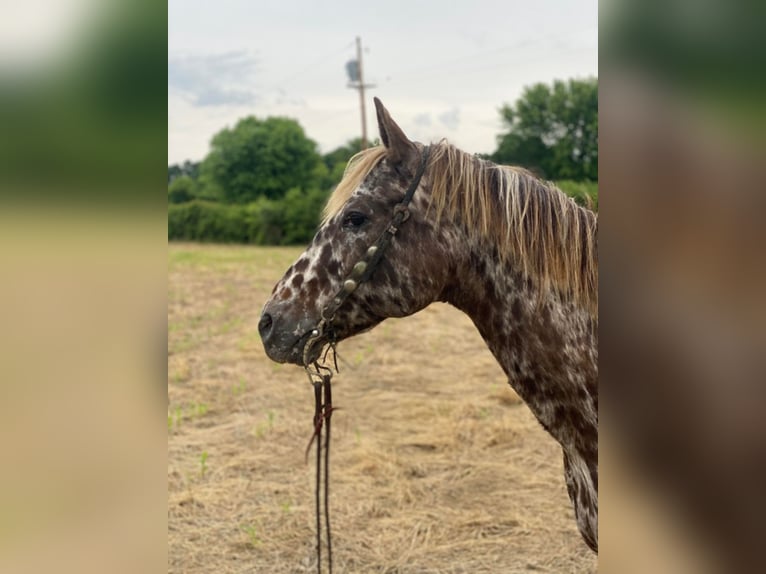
(283, 337)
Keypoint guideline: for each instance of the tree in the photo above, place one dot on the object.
(336, 160)
(553, 130)
(181, 190)
(259, 158)
(342, 154)
(187, 168)
(302, 211)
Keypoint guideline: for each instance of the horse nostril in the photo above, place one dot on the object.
(264, 325)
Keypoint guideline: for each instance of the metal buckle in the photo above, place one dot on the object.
(403, 209)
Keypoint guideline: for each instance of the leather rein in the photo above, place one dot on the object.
(321, 375)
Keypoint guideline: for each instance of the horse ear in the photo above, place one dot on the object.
(400, 149)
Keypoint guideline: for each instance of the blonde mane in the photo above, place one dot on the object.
(529, 221)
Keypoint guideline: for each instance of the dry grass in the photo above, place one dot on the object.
(436, 464)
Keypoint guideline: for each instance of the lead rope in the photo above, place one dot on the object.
(327, 406)
(321, 378)
(318, 423)
(322, 415)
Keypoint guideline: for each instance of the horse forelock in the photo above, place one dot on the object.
(358, 168)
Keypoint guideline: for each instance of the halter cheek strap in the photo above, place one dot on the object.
(364, 268)
(322, 375)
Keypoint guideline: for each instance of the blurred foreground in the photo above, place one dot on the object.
(683, 349)
(82, 294)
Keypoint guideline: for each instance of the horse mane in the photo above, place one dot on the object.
(528, 221)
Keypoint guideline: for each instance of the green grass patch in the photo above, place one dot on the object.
(253, 538)
(180, 413)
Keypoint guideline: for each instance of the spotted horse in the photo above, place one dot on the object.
(410, 224)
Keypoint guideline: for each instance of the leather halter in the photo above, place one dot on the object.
(320, 378)
(365, 267)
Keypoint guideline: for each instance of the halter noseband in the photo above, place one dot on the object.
(364, 268)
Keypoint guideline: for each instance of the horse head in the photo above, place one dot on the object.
(405, 279)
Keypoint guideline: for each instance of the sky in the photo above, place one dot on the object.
(442, 68)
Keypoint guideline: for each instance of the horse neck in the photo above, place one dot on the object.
(547, 347)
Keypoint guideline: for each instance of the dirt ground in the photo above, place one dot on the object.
(436, 465)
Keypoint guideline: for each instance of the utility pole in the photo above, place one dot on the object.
(356, 77)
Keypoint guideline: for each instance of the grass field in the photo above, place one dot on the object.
(437, 467)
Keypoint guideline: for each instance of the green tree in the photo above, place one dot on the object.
(553, 130)
(335, 162)
(181, 190)
(302, 211)
(342, 154)
(259, 158)
(267, 221)
(187, 168)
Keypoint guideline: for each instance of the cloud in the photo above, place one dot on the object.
(450, 119)
(213, 79)
(423, 120)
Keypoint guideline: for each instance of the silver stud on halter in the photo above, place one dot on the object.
(349, 285)
(358, 269)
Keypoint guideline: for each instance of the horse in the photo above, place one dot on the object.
(410, 224)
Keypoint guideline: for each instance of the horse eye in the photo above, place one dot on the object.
(354, 220)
